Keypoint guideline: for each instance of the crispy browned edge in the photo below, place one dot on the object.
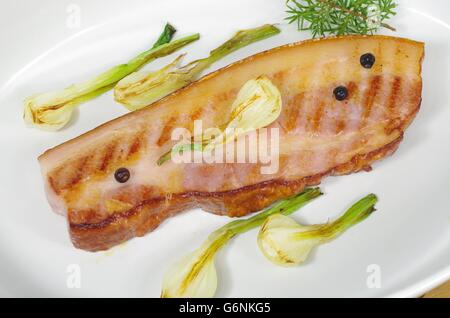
(145, 217)
(238, 202)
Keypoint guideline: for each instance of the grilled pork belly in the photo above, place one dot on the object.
(320, 135)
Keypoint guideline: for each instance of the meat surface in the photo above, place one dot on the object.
(318, 136)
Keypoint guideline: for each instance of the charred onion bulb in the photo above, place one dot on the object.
(195, 274)
(54, 110)
(287, 243)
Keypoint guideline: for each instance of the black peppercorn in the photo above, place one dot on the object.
(122, 175)
(367, 60)
(340, 93)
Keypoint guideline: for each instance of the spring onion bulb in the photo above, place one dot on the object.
(195, 274)
(53, 110)
(143, 88)
(287, 243)
(258, 104)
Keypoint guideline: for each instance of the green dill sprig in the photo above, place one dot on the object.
(340, 17)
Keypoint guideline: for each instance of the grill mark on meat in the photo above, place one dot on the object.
(343, 120)
(99, 162)
(108, 156)
(356, 99)
(53, 185)
(278, 77)
(318, 116)
(355, 110)
(314, 100)
(395, 92)
(340, 125)
(166, 132)
(352, 90)
(136, 145)
(197, 114)
(293, 112)
(369, 99)
(66, 176)
(79, 172)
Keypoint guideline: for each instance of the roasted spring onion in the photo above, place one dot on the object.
(195, 274)
(257, 105)
(143, 88)
(52, 111)
(287, 243)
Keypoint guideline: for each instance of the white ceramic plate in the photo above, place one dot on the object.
(43, 47)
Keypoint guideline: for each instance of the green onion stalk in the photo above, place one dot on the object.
(195, 274)
(141, 89)
(53, 110)
(285, 242)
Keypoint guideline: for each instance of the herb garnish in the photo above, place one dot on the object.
(340, 17)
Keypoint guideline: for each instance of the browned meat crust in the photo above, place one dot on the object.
(150, 214)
